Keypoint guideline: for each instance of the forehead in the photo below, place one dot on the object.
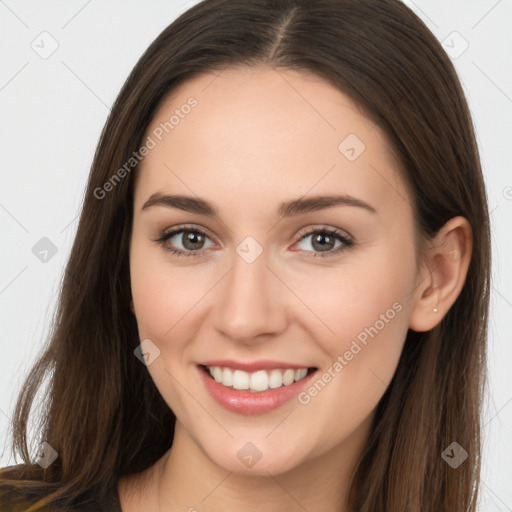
(259, 133)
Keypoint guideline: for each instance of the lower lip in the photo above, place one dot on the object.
(247, 402)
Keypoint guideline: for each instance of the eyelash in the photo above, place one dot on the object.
(166, 235)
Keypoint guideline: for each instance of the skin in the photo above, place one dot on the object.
(258, 137)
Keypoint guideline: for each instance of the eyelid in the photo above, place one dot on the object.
(167, 233)
(323, 227)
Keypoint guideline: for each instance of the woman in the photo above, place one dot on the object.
(277, 297)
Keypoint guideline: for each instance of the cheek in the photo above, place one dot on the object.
(164, 297)
(367, 306)
(164, 300)
(363, 300)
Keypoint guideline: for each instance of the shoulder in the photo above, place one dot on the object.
(16, 495)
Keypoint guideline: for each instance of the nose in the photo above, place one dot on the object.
(251, 303)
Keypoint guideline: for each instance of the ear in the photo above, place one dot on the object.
(443, 274)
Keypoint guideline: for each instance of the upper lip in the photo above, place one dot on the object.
(253, 366)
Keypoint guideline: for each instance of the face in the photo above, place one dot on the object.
(298, 306)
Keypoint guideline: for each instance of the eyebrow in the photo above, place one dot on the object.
(286, 209)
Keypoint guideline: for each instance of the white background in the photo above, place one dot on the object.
(51, 114)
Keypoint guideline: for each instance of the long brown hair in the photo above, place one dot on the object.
(104, 415)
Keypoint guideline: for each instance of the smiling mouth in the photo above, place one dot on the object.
(259, 381)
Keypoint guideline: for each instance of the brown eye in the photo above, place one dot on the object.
(192, 240)
(323, 242)
(184, 241)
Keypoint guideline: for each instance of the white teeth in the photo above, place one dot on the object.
(260, 380)
(240, 379)
(227, 377)
(300, 374)
(276, 379)
(288, 377)
(217, 374)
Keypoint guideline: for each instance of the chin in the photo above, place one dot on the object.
(257, 458)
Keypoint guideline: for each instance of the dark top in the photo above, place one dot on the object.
(15, 499)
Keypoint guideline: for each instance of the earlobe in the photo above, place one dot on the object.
(132, 307)
(444, 274)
